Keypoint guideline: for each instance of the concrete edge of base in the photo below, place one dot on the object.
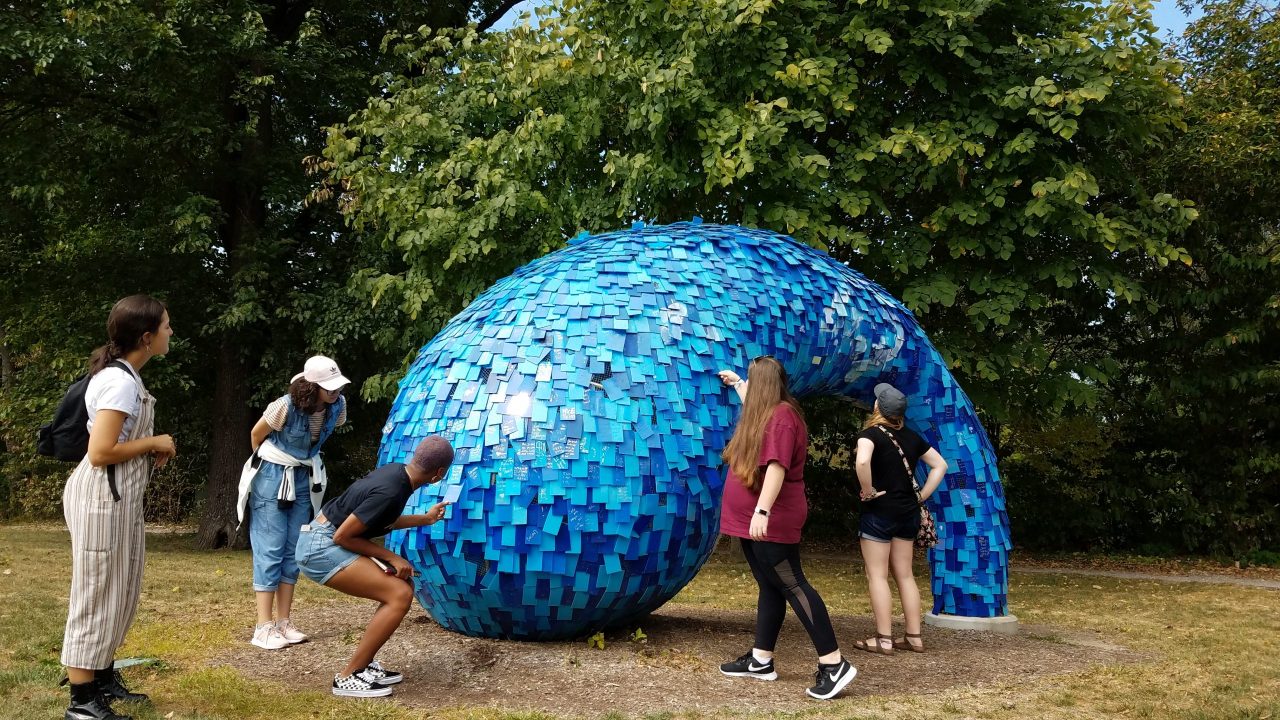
(1005, 625)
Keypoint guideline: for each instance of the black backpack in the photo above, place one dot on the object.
(66, 437)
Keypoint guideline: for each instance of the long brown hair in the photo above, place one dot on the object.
(130, 319)
(878, 418)
(306, 396)
(766, 389)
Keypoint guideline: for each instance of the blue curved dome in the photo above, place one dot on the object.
(581, 397)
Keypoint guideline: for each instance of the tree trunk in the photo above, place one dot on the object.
(231, 415)
(241, 200)
(228, 449)
(6, 363)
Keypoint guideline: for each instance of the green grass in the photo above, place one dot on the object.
(1211, 648)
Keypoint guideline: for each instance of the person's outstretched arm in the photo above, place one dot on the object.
(348, 535)
(733, 380)
(432, 516)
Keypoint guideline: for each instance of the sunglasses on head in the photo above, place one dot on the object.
(758, 358)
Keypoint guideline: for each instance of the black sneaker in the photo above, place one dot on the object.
(831, 679)
(381, 675)
(98, 708)
(111, 684)
(749, 666)
(358, 685)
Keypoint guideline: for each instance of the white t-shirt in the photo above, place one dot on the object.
(113, 389)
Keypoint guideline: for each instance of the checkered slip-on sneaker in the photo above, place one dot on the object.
(358, 685)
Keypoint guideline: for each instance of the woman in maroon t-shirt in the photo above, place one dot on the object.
(765, 507)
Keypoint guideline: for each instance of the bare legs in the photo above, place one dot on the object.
(880, 558)
(284, 600)
(900, 555)
(281, 598)
(875, 557)
(363, 578)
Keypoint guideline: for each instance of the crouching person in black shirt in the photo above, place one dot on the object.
(335, 551)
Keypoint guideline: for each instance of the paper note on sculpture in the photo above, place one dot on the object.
(581, 396)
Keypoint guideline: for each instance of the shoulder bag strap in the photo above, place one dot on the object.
(906, 465)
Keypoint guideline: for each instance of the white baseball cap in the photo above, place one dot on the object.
(324, 372)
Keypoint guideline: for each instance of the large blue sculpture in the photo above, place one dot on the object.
(580, 394)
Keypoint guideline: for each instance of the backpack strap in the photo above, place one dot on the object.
(111, 469)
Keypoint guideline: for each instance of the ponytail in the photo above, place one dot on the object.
(130, 319)
(103, 356)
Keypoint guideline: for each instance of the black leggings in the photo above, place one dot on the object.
(776, 567)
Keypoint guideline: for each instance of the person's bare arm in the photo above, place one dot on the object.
(731, 378)
(862, 466)
(937, 470)
(432, 516)
(348, 536)
(259, 434)
(769, 489)
(105, 448)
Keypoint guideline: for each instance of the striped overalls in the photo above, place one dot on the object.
(107, 550)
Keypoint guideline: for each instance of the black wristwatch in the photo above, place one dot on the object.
(762, 511)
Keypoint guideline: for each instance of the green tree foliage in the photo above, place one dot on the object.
(159, 147)
(1182, 453)
(1200, 405)
(975, 158)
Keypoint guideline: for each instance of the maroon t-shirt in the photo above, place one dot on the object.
(786, 442)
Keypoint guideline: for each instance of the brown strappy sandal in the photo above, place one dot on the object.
(905, 644)
(877, 647)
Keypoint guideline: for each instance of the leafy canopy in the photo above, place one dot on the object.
(974, 157)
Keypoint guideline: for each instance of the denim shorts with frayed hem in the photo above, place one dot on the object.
(319, 558)
(881, 528)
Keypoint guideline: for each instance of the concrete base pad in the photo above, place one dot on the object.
(1005, 625)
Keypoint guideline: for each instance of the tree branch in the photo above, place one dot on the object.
(492, 18)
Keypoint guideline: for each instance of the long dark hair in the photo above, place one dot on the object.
(766, 390)
(306, 396)
(130, 319)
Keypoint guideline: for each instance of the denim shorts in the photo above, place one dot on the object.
(881, 528)
(319, 558)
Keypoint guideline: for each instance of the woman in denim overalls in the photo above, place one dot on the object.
(283, 484)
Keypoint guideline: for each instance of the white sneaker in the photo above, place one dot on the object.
(290, 631)
(267, 637)
(358, 685)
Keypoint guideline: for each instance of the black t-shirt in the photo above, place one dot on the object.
(377, 499)
(887, 472)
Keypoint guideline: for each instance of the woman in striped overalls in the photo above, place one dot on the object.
(102, 504)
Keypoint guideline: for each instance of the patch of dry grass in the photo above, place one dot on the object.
(1212, 647)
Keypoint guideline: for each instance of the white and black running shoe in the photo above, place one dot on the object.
(831, 679)
(749, 666)
(358, 685)
(381, 675)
